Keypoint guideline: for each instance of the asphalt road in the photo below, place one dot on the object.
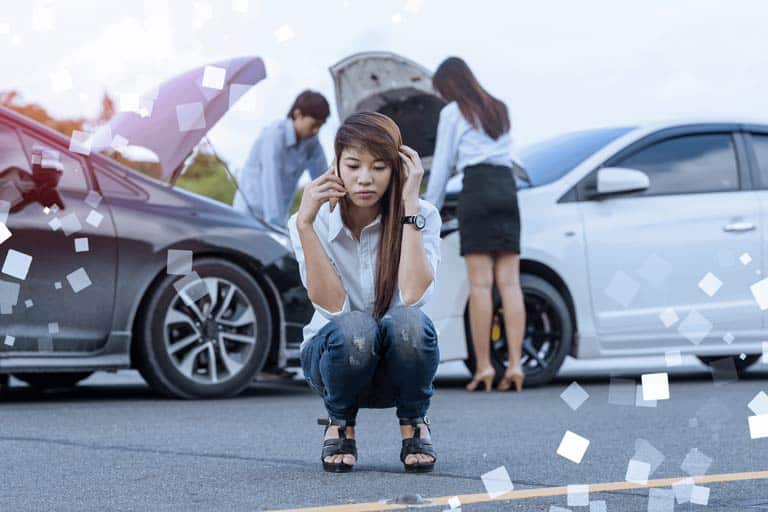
(112, 444)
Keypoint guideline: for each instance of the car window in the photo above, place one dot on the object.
(550, 159)
(11, 150)
(686, 165)
(760, 146)
(47, 156)
(114, 187)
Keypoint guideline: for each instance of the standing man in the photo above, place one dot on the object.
(279, 157)
(271, 175)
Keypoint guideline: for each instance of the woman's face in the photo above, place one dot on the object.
(365, 177)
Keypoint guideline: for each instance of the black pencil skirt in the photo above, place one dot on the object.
(489, 218)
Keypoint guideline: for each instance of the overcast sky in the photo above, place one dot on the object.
(559, 65)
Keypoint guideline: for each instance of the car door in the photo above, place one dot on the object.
(756, 142)
(61, 253)
(664, 263)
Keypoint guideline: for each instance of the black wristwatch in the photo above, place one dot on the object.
(417, 220)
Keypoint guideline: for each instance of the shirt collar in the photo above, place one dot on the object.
(336, 224)
(289, 132)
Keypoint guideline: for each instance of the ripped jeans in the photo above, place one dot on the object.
(355, 362)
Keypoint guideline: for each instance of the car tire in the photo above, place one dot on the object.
(547, 318)
(741, 364)
(52, 380)
(167, 321)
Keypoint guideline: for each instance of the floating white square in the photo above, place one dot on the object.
(574, 395)
(497, 482)
(622, 288)
(5, 233)
(709, 284)
(598, 506)
(640, 402)
(53, 328)
(758, 426)
(454, 502)
(728, 338)
(699, 495)
(81, 245)
(55, 224)
(637, 472)
(655, 386)
(745, 258)
(79, 280)
(578, 495)
(93, 199)
(695, 327)
(29, 303)
(190, 116)
(759, 404)
(213, 77)
(16, 264)
(682, 490)
(573, 447)
(760, 293)
(57, 285)
(9, 340)
(94, 218)
(70, 224)
(179, 262)
(669, 317)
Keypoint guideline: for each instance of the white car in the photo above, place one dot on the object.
(635, 240)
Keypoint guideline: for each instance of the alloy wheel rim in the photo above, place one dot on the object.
(209, 330)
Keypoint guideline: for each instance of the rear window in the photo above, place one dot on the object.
(549, 160)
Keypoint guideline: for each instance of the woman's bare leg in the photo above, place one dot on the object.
(507, 273)
(480, 274)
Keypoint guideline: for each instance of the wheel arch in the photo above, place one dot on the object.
(547, 273)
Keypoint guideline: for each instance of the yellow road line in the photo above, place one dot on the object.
(540, 492)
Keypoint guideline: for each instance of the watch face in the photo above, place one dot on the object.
(420, 221)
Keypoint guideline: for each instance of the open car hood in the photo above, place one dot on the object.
(183, 110)
(393, 85)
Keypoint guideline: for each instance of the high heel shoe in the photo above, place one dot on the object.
(509, 377)
(485, 377)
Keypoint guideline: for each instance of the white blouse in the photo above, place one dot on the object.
(459, 144)
(355, 260)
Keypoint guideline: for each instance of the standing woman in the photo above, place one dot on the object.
(368, 250)
(473, 136)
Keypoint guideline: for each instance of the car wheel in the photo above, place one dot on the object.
(741, 364)
(547, 338)
(52, 380)
(209, 338)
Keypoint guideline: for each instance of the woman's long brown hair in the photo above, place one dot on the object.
(454, 81)
(380, 136)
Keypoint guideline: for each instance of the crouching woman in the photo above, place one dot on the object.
(368, 250)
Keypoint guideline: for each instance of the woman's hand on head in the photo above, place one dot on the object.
(414, 172)
(325, 187)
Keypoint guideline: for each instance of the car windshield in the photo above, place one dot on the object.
(550, 159)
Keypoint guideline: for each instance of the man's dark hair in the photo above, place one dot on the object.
(311, 103)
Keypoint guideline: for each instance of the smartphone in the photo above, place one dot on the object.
(332, 201)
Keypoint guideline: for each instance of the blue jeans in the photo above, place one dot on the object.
(355, 362)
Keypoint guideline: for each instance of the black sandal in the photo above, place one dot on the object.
(416, 445)
(340, 446)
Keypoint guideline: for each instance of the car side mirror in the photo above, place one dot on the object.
(620, 180)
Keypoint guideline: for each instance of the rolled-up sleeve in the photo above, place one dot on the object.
(317, 164)
(298, 253)
(271, 176)
(430, 237)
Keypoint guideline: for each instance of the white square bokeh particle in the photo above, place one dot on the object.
(622, 288)
(668, 317)
(640, 401)
(16, 264)
(81, 245)
(5, 233)
(699, 495)
(638, 472)
(682, 490)
(574, 395)
(710, 284)
(695, 327)
(190, 116)
(94, 218)
(80, 142)
(55, 224)
(696, 463)
(79, 280)
(213, 77)
(93, 199)
(598, 506)
(655, 270)
(661, 500)
(745, 258)
(760, 293)
(759, 404)
(758, 426)
(9, 340)
(578, 495)
(497, 482)
(764, 359)
(179, 262)
(53, 328)
(655, 386)
(284, 34)
(573, 447)
(29, 303)
(454, 502)
(728, 338)
(70, 224)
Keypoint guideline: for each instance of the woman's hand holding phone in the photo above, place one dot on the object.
(326, 187)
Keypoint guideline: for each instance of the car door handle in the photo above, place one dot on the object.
(739, 226)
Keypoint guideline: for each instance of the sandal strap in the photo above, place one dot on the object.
(339, 447)
(414, 445)
(342, 424)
